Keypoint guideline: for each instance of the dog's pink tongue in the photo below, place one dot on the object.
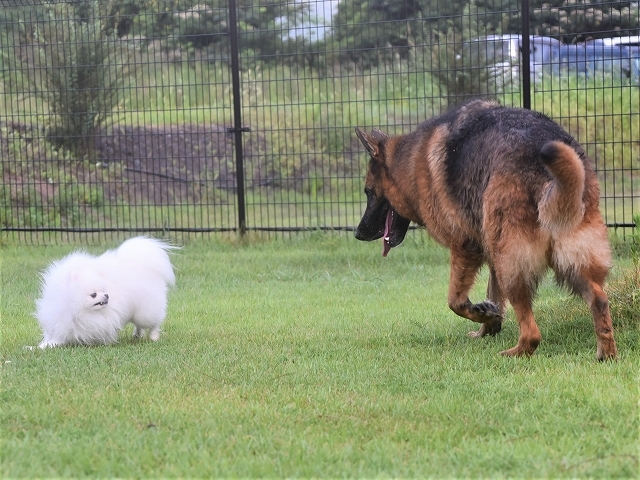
(386, 246)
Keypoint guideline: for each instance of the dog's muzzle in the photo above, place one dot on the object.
(103, 302)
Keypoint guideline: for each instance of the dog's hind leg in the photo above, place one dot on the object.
(465, 264)
(530, 336)
(599, 305)
(521, 265)
(154, 334)
(581, 261)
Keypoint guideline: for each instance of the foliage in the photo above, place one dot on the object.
(458, 68)
(44, 186)
(363, 33)
(567, 20)
(601, 112)
(301, 97)
(572, 21)
(302, 143)
(263, 26)
(72, 205)
(77, 68)
(635, 252)
(270, 29)
(624, 289)
(364, 28)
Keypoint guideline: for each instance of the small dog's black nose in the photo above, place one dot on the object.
(106, 296)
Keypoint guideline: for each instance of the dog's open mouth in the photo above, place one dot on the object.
(395, 228)
(380, 220)
(386, 241)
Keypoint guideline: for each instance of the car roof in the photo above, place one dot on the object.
(629, 41)
(515, 36)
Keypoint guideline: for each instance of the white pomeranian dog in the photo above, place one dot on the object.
(87, 300)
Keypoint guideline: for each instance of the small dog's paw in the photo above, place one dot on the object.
(154, 335)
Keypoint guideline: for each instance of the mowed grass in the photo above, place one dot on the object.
(315, 357)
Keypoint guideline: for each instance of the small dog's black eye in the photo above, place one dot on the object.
(93, 295)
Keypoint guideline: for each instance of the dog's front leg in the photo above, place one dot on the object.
(494, 295)
(465, 265)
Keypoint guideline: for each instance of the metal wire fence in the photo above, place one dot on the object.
(193, 116)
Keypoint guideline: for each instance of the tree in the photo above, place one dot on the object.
(263, 25)
(462, 71)
(572, 21)
(362, 27)
(71, 62)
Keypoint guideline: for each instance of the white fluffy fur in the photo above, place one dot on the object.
(87, 300)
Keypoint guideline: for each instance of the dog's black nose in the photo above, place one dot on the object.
(106, 296)
(365, 233)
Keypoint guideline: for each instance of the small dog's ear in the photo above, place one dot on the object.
(372, 141)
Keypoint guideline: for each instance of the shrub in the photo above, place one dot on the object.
(461, 73)
(624, 291)
(79, 69)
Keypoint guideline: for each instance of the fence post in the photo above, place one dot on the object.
(525, 67)
(237, 128)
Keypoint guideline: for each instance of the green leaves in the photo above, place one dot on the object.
(79, 69)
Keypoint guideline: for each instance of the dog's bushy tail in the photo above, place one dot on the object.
(149, 254)
(561, 207)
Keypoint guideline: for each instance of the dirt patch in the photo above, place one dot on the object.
(165, 165)
(168, 165)
(138, 165)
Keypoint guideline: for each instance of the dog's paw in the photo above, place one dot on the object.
(606, 350)
(491, 328)
(486, 309)
(491, 313)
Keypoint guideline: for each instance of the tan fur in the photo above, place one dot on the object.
(445, 222)
(561, 207)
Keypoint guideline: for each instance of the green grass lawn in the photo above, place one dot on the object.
(315, 357)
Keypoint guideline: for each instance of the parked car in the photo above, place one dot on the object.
(502, 54)
(629, 41)
(632, 44)
(505, 51)
(617, 56)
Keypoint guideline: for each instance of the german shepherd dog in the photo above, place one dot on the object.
(503, 186)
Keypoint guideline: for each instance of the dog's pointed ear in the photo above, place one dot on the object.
(379, 135)
(371, 141)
